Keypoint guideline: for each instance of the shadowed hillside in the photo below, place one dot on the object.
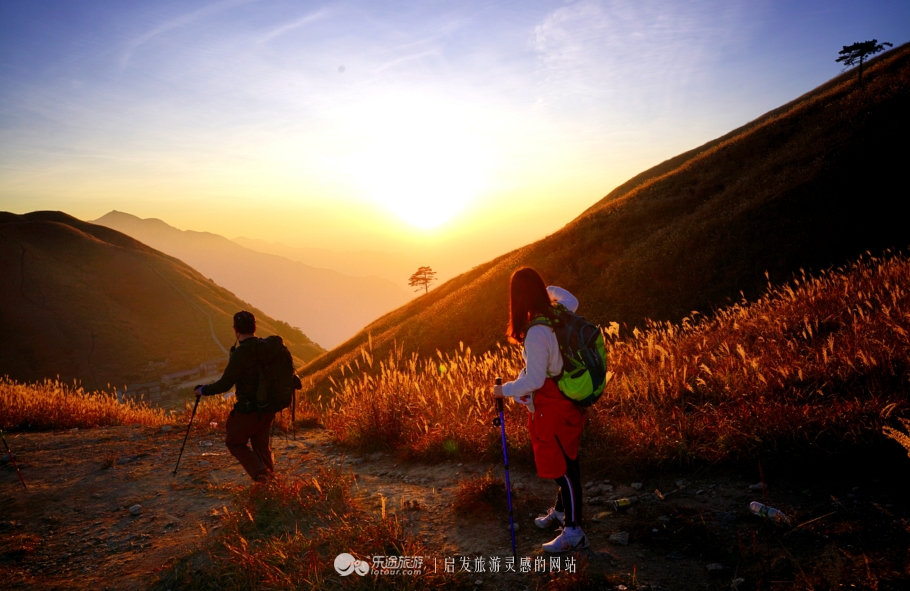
(329, 306)
(809, 185)
(86, 302)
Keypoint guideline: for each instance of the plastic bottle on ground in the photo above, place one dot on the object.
(769, 513)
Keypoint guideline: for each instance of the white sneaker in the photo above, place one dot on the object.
(552, 516)
(570, 538)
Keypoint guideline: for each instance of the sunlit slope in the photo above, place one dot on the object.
(86, 302)
(329, 306)
(809, 185)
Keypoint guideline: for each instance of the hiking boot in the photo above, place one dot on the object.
(570, 538)
(552, 516)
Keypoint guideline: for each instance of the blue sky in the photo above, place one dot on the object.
(469, 126)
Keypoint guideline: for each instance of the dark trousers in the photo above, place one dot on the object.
(252, 428)
(568, 499)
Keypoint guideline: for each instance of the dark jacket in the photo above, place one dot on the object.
(243, 371)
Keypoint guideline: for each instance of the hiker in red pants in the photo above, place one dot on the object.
(555, 423)
(245, 425)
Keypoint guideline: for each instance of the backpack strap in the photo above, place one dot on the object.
(550, 323)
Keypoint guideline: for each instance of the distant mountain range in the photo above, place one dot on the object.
(327, 305)
(85, 302)
(809, 185)
(394, 267)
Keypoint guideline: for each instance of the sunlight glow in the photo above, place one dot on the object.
(419, 161)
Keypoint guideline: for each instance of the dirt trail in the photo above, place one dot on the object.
(73, 527)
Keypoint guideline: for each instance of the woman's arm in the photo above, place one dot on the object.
(537, 353)
(561, 296)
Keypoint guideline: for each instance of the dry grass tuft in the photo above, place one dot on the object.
(52, 404)
(482, 494)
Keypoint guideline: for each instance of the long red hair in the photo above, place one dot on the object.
(528, 298)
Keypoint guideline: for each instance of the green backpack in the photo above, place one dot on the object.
(584, 356)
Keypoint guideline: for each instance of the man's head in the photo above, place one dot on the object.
(244, 322)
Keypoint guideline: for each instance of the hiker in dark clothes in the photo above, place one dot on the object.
(246, 426)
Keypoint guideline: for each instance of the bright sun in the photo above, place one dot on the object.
(419, 162)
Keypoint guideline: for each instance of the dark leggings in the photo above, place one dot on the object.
(568, 499)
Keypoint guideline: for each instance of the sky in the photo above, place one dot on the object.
(454, 130)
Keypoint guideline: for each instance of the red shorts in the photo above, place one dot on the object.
(555, 428)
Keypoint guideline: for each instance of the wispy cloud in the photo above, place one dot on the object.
(176, 23)
(296, 24)
(595, 48)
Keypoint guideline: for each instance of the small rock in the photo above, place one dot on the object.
(681, 483)
(714, 567)
(516, 526)
(756, 486)
(459, 465)
(204, 463)
(621, 538)
(136, 510)
(663, 519)
(637, 485)
(478, 582)
(165, 428)
(207, 444)
(589, 484)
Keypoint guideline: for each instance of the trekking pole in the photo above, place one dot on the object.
(501, 423)
(195, 406)
(12, 458)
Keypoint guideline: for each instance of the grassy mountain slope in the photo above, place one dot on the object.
(327, 305)
(808, 185)
(86, 302)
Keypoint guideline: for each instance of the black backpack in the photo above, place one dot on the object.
(277, 380)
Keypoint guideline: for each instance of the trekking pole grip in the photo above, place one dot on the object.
(499, 407)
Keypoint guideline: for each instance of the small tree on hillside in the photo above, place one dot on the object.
(423, 277)
(857, 53)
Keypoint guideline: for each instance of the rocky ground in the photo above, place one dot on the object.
(104, 511)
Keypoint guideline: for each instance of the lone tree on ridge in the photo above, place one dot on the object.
(857, 53)
(423, 277)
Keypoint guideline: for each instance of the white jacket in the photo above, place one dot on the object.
(541, 355)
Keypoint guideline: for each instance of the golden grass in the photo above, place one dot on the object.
(52, 404)
(899, 436)
(818, 363)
